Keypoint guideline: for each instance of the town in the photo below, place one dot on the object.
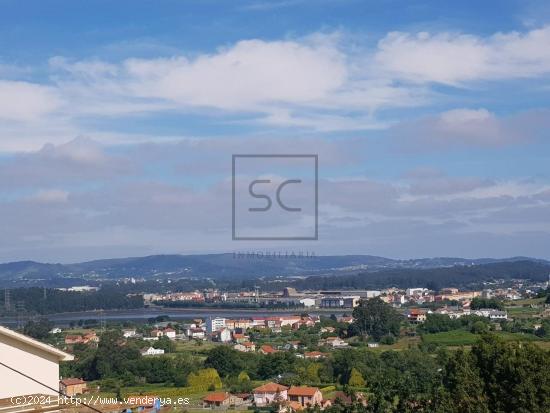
(287, 361)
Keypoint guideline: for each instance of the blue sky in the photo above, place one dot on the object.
(118, 121)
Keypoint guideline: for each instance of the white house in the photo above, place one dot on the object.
(270, 392)
(197, 333)
(127, 333)
(32, 358)
(170, 333)
(224, 335)
(151, 351)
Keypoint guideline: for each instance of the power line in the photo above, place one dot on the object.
(48, 387)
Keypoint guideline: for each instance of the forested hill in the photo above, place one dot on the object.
(433, 278)
(229, 266)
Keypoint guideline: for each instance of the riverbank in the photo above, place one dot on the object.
(143, 314)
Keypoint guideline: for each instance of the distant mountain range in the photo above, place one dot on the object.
(219, 266)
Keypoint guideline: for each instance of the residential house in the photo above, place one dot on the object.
(335, 342)
(267, 349)
(306, 396)
(156, 333)
(246, 347)
(221, 399)
(170, 333)
(239, 337)
(269, 393)
(223, 335)
(128, 333)
(346, 400)
(315, 355)
(28, 356)
(416, 315)
(72, 386)
(90, 337)
(151, 351)
(196, 333)
(73, 339)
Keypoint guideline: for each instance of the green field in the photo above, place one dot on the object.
(465, 338)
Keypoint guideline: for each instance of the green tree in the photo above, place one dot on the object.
(479, 327)
(243, 376)
(356, 379)
(376, 318)
(463, 387)
(165, 344)
(515, 375)
(225, 360)
(38, 329)
(204, 379)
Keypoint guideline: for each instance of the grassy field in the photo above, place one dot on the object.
(527, 301)
(465, 338)
(402, 344)
(522, 312)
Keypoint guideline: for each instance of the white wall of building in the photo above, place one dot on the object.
(30, 360)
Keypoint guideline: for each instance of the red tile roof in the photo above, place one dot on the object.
(270, 388)
(72, 381)
(216, 397)
(303, 391)
(267, 349)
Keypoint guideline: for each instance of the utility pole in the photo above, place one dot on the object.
(7, 300)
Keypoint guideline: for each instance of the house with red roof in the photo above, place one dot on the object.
(306, 396)
(315, 355)
(267, 349)
(72, 386)
(269, 393)
(221, 399)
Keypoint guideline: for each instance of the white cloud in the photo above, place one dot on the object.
(321, 82)
(455, 58)
(22, 101)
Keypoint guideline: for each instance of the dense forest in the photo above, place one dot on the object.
(49, 301)
(433, 278)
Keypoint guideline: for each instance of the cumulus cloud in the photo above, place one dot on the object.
(321, 82)
(455, 58)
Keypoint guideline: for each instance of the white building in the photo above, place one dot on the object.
(215, 324)
(308, 302)
(151, 351)
(196, 333)
(415, 291)
(129, 333)
(270, 392)
(224, 335)
(31, 357)
(170, 333)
